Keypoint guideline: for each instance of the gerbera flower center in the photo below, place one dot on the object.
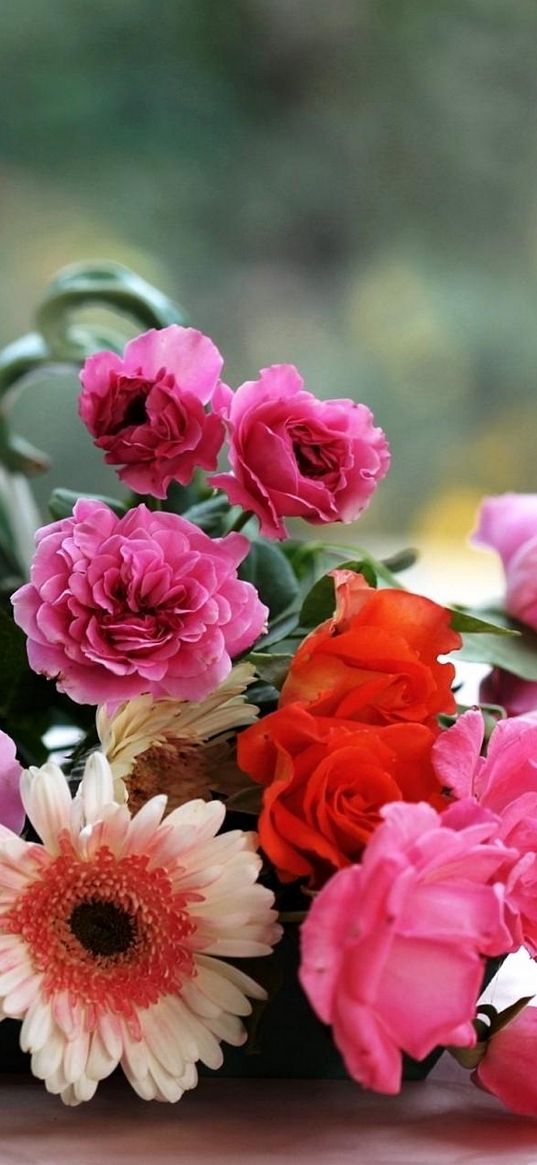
(112, 932)
(102, 927)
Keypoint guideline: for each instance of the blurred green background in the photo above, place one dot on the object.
(349, 185)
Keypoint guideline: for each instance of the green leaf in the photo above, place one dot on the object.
(22, 357)
(63, 501)
(320, 603)
(211, 515)
(516, 654)
(379, 568)
(269, 571)
(401, 560)
(469, 623)
(271, 668)
(13, 659)
(308, 561)
(248, 800)
(108, 285)
(279, 628)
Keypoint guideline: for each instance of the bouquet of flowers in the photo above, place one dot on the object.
(277, 830)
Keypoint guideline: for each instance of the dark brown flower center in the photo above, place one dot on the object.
(102, 927)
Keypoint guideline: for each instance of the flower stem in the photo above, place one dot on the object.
(240, 521)
(292, 915)
(152, 503)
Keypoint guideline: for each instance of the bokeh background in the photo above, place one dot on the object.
(347, 185)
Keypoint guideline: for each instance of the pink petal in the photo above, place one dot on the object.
(508, 1066)
(456, 754)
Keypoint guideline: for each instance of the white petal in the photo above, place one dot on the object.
(162, 1039)
(111, 1032)
(47, 1060)
(189, 1079)
(18, 1000)
(84, 1088)
(144, 1086)
(96, 788)
(75, 1057)
(228, 1028)
(65, 1014)
(12, 957)
(184, 1037)
(237, 948)
(135, 1056)
(206, 816)
(233, 974)
(222, 992)
(111, 830)
(100, 1063)
(69, 1096)
(198, 1002)
(47, 802)
(55, 1082)
(168, 1087)
(37, 1026)
(209, 1050)
(144, 824)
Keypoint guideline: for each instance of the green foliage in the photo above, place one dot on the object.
(25, 698)
(248, 800)
(271, 573)
(211, 515)
(110, 286)
(516, 654)
(271, 667)
(470, 623)
(63, 501)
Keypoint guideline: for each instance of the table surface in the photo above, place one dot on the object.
(442, 1121)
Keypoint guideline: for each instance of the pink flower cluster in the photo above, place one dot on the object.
(11, 809)
(508, 524)
(291, 454)
(393, 950)
(146, 408)
(144, 603)
(295, 456)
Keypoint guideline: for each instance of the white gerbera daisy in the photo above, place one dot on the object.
(177, 745)
(111, 932)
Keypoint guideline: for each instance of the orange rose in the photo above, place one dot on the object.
(376, 659)
(325, 783)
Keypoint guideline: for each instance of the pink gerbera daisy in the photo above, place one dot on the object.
(110, 932)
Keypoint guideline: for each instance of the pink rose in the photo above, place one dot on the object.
(505, 783)
(146, 408)
(144, 603)
(11, 810)
(392, 950)
(508, 524)
(297, 457)
(508, 1066)
(517, 696)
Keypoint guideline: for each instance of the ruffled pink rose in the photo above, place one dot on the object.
(508, 1066)
(295, 456)
(146, 409)
(11, 809)
(143, 603)
(505, 782)
(392, 950)
(517, 696)
(508, 524)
